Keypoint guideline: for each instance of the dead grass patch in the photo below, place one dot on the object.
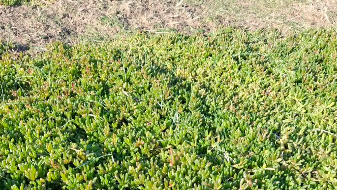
(72, 20)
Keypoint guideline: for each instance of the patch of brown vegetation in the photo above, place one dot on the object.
(285, 15)
(72, 20)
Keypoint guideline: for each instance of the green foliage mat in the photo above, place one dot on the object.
(13, 2)
(231, 110)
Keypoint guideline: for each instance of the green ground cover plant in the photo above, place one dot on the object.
(13, 2)
(231, 110)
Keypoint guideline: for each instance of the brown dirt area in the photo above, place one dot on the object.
(71, 21)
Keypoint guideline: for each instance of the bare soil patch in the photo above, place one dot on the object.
(285, 15)
(72, 20)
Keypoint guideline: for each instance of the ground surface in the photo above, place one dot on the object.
(41, 22)
(155, 109)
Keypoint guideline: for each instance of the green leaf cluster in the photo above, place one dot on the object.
(232, 110)
(13, 2)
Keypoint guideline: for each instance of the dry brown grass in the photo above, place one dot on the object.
(72, 20)
(282, 14)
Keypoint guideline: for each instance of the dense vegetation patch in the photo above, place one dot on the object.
(13, 2)
(231, 110)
